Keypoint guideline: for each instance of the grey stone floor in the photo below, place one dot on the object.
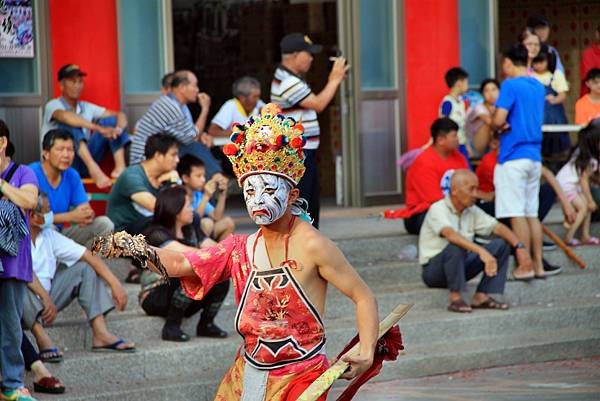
(570, 380)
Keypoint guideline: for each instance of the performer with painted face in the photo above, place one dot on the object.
(280, 273)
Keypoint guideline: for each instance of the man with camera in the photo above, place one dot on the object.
(292, 93)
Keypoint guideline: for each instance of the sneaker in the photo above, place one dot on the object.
(174, 333)
(210, 330)
(551, 270)
(548, 246)
(21, 394)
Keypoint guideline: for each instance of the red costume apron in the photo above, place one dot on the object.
(279, 324)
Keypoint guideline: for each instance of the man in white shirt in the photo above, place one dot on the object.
(449, 256)
(292, 93)
(64, 270)
(245, 103)
(79, 117)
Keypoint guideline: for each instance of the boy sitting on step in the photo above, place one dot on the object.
(214, 223)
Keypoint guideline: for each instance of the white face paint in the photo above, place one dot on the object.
(266, 197)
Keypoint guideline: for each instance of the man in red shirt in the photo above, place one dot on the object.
(423, 180)
(590, 59)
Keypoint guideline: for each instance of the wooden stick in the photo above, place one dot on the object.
(319, 386)
(566, 249)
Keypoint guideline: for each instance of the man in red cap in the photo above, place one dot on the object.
(80, 117)
(292, 93)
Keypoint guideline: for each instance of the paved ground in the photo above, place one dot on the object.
(573, 380)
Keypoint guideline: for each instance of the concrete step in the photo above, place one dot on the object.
(72, 332)
(384, 274)
(400, 276)
(392, 249)
(485, 339)
(156, 359)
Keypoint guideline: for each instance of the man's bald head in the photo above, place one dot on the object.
(463, 189)
(462, 177)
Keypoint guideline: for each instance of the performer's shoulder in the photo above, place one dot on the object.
(310, 237)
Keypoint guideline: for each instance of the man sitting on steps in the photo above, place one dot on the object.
(450, 257)
(80, 117)
(63, 271)
(64, 188)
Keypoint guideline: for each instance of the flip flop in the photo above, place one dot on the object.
(591, 241)
(114, 347)
(526, 278)
(459, 306)
(49, 385)
(490, 303)
(573, 243)
(51, 355)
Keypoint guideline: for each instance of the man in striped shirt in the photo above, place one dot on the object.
(169, 114)
(290, 90)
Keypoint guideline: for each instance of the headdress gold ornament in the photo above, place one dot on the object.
(269, 143)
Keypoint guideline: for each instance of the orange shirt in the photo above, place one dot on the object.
(586, 110)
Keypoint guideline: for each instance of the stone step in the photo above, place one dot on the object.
(399, 278)
(156, 359)
(134, 377)
(385, 249)
(74, 334)
(388, 273)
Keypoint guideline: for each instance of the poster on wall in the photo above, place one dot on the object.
(16, 28)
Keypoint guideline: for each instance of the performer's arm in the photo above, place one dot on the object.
(176, 263)
(334, 268)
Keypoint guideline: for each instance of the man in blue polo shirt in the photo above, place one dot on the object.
(519, 115)
(63, 185)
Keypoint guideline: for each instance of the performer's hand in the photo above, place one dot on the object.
(358, 365)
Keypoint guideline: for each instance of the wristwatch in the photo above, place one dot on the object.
(519, 245)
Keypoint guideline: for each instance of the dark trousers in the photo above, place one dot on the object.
(413, 223)
(97, 144)
(546, 198)
(168, 299)
(310, 187)
(454, 266)
(30, 355)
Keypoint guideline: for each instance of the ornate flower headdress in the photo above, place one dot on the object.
(270, 143)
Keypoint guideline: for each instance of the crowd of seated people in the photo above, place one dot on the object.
(171, 202)
(520, 173)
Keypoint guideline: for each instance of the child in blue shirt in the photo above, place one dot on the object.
(214, 223)
(454, 107)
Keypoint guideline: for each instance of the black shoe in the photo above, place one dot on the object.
(210, 330)
(551, 270)
(174, 333)
(548, 246)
